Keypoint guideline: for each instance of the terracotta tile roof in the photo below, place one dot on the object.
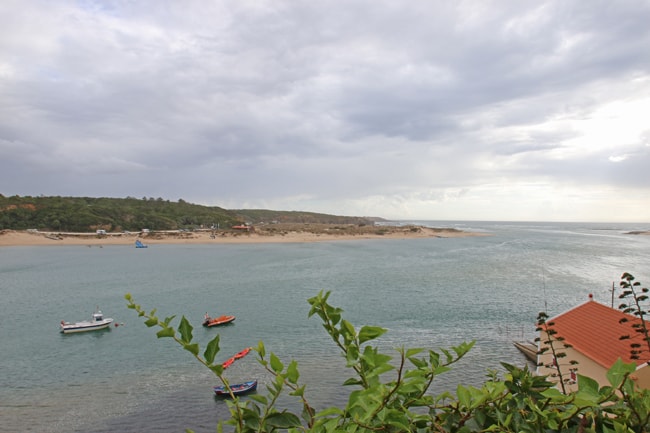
(593, 329)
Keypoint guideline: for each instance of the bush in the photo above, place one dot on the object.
(392, 394)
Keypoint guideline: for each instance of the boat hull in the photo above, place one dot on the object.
(528, 349)
(73, 328)
(218, 321)
(237, 389)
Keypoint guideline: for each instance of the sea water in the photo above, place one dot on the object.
(431, 293)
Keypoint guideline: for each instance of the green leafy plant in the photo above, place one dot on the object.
(378, 405)
(638, 297)
(556, 344)
(392, 394)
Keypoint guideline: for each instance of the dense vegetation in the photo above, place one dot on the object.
(392, 395)
(256, 216)
(86, 214)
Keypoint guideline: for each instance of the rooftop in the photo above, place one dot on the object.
(593, 329)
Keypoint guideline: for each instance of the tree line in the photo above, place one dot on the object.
(84, 214)
(87, 214)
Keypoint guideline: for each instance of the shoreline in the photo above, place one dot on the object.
(296, 233)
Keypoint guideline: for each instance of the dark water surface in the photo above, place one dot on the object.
(428, 293)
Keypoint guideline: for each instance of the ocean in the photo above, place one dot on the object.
(431, 293)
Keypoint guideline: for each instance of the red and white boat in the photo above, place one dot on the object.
(216, 321)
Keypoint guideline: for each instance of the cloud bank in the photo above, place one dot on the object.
(473, 110)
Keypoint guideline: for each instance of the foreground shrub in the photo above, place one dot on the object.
(392, 393)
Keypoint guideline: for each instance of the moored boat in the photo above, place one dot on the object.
(98, 322)
(237, 389)
(216, 321)
(237, 356)
(528, 348)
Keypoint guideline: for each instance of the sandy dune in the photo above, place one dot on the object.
(270, 233)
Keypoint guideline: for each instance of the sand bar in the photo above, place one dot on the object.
(267, 234)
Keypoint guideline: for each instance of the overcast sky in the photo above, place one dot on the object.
(462, 110)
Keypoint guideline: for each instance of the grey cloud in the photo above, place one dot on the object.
(336, 100)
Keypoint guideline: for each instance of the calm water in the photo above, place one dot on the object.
(427, 292)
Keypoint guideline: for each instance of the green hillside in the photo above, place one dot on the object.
(83, 214)
(87, 214)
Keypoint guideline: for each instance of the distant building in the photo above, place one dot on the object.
(593, 331)
(101, 232)
(241, 227)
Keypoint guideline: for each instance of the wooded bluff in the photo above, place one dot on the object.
(84, 214)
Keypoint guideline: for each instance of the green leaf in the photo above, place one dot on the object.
(412, 352)
(463, 396)
(586, 398)
(462, 349)
(587, 384)
(185, 330)
(283, 420)
(368, 333)
(259, 398)
(417, 362)
(440, 370)
(300, 391)
(348, 331)
(217, 369)
(192, 348)
(412, 387)
(211, 350)
(165, 332)
(397, 419)
(329, 412)
(351, 356)
(276, 364)
(261, 349)
(352, 381)
(618, 372)
(292, 372)
(152, 321)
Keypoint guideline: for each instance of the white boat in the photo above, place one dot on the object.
(97, 322)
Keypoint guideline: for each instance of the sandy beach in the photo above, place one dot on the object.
(266, 234)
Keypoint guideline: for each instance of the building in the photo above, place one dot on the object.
(593, 331)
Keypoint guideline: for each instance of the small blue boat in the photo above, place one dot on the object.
(237, 389)
(139, 244)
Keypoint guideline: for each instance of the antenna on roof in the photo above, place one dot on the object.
(612, 294)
